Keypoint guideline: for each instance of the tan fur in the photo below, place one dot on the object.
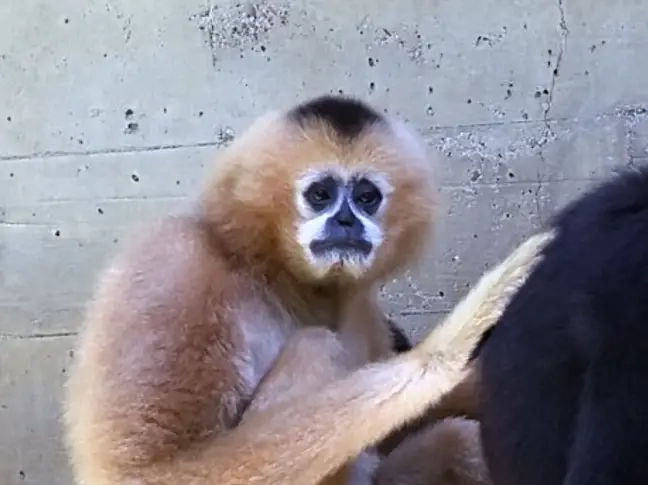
(460, 402)
(191, 315)
(448, 453)
(312, 358)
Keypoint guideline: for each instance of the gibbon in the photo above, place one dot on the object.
(563, 373)
(308, 212)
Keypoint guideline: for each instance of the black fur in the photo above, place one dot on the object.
(347, 117)
(400, 342)
(565, 371)
(480, 345)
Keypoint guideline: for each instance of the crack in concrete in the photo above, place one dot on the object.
(538, 189)
(33, 336)
(564, 34)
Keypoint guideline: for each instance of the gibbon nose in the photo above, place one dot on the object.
(345, 216)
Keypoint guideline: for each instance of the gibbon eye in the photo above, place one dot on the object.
(367, 196)
(321, 194)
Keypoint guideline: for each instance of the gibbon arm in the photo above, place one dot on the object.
(303, 443)
(300, 443)
(445, 453)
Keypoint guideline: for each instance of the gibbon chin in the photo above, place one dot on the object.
(190, 368)
(563, 373)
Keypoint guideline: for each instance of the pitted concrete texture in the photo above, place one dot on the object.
(111, 112)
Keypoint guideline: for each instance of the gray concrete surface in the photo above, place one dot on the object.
(111, 112)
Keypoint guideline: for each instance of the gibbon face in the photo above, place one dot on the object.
(331, 189)
(339, 227)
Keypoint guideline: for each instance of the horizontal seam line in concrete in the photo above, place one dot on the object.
(108, 151)
(33, 336)
(102, 200)
(407, 313)
(207, 144)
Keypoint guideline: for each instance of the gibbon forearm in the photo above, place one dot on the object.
(325, 429)
(303, 443)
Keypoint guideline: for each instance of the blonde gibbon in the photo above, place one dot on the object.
(308, 212)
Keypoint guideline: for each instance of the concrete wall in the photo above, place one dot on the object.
(111, 110)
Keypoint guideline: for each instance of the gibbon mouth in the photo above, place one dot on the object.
(344, 245)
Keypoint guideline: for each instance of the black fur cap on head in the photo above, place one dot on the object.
(346, 116)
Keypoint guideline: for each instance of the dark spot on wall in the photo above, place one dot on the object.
(441, 293)
(469, 101)
(537, 94)
(129, 113)
(525, 116)
(371, 62)
(507, 215)
(177, 182)
(135, 178)
(475, 236)
(132, 127)
(474, 176)
(263, 48)
(587, 73)
(200, 114)
(164, 110)
(57, 233)
(429, 111)
(545, 91)
(430, 89)
(66, 21)
(525, 26)
(549, 51)
(372, 86)
(11, 175)
(555, 71)
(22, 474)
(9, 119)
(100, 210)
(511, 175)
